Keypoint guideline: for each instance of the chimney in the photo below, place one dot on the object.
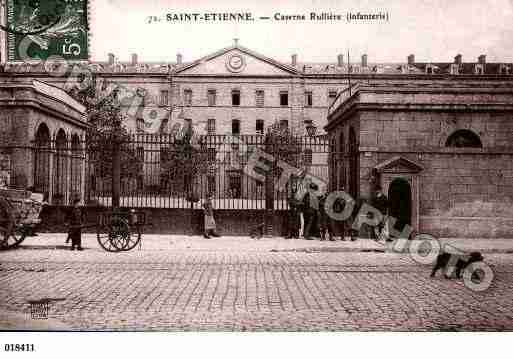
(364, 60)
(482, 59)
(178, 59)
(294, 60)
(340, 60)
(411, 59)
(112, 58)
(134, 59)
(457, 59)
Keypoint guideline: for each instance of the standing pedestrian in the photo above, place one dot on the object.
(381, 203)
(311, 213)
(300, 200)
(293, 220)
(210, 223)
(75, 223)
(325, 223)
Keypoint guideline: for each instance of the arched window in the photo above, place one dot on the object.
(42, 160)
(463, 138)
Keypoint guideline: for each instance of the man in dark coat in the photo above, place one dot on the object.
(311, 213)
(325, 223)
(75, 222)
(293, 220)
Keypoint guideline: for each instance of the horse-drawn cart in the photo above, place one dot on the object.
(19, 214)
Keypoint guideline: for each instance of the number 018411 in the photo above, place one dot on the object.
(19, 347)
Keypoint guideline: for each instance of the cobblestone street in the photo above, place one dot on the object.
(177, 283)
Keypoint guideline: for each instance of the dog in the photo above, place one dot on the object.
(443, 259)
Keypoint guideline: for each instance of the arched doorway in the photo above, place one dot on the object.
(42, 160)
(400, 199)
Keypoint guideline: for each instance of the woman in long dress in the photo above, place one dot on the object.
(210, 223)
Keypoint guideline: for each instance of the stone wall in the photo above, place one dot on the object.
(172, 221)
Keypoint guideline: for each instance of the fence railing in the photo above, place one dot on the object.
(159, 172)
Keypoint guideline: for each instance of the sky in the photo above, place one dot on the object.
(433, 30)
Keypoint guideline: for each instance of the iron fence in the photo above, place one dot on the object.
(157, 171)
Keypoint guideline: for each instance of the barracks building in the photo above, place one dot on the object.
(437, 137)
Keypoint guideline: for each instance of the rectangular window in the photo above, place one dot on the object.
(140, 154)
(332, 95)
(139, 125)
(211, 126)
(187, 97)
(260, 98)
(211, 153)
(284, 98)
(259, 127)
(211, 96)
(164, 98)
(235, 127)
(308, 99)
(308, 157)
(235, 98)
(211, 184)
(187, 126)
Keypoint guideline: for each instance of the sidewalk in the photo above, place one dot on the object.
(155, 242)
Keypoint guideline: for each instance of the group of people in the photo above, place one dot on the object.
(306, 214)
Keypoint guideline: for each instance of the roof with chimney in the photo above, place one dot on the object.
(294, 67)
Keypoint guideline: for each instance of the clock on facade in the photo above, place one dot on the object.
(235, 63)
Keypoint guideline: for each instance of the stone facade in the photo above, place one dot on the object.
(404, 131)
(401, 114)
(39, 124)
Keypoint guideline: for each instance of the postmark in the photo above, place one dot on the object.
(37, 30)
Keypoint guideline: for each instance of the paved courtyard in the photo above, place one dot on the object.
(189, 283)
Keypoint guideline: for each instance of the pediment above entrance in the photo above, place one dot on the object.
(398, 164)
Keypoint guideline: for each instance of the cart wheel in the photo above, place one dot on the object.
(123, 238)
(105, 241)
(112, 235)
(10, 235)
(11, 238)
(133, 239)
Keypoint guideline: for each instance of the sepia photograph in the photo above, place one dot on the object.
(300, 167)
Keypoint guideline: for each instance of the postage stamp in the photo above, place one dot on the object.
(37, 30)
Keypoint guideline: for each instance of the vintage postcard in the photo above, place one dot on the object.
(272, 166)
